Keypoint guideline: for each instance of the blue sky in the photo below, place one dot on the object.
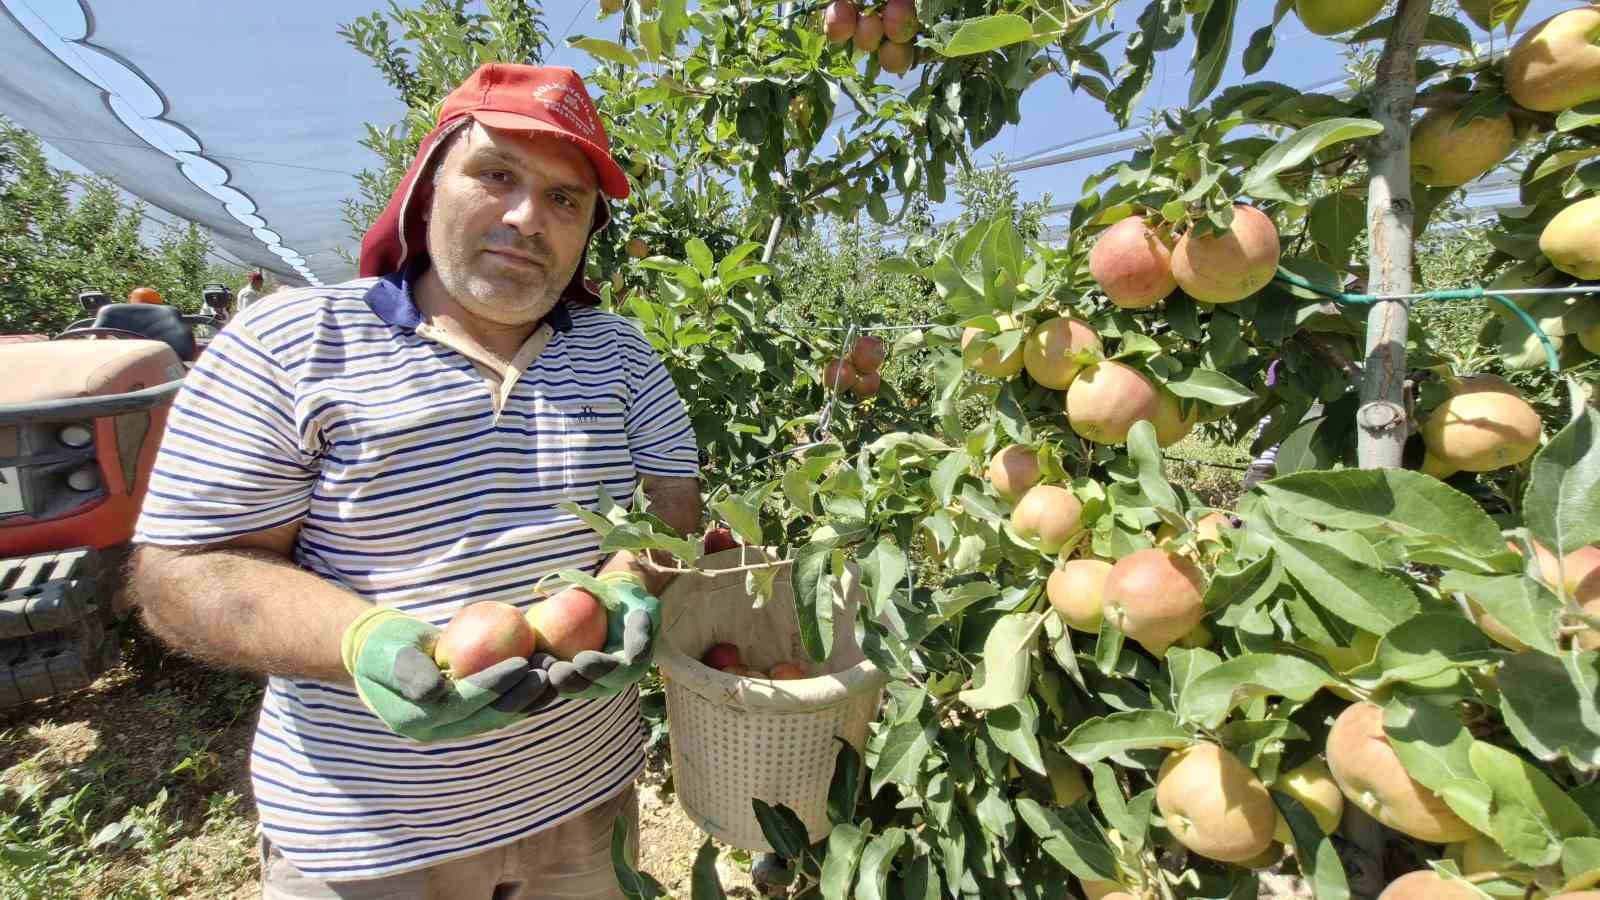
(272, 91)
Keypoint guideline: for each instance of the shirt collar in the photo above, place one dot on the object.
(391, 299)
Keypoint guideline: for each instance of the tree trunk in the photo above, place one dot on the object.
(1382, 418)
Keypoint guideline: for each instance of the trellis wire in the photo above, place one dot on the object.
(1476, 293)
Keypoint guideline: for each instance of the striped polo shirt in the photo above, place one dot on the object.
(418, 484)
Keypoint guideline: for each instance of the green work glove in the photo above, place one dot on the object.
(389, 654)
(633, 620)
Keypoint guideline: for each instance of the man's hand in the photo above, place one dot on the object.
(389, 654)
(633, 621)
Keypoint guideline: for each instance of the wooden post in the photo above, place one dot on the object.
(1382, 421)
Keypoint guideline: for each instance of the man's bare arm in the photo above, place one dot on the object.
(676, 501)
(243, 605)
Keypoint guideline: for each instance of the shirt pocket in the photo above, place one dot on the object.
(594, 445)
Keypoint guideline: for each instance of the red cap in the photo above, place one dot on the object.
(547, 99)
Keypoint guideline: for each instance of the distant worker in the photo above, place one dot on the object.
(251, 292)
(145, 295)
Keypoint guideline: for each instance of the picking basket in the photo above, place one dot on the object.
(736, 738)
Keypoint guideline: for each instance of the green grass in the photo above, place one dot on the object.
(1210, 469)
(135, 788)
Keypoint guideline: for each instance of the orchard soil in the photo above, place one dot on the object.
(185, 729)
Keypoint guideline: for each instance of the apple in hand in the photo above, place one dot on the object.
(569, 623)
(480, 635)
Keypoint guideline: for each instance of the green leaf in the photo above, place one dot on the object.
(644, 536)
(1337, 221)
(1213, 40)
(839, 865)
(1428, 645)
(813, 595)
(782, 828)
(1580, 859)
(636, 885)
(1211, 386)
(1401, 501)
(743, 514)
(921, 880)
(1209, 698)
(1530, 814)
(730, 263)
(1317, 444)
(1439, 30)
(1244, 732)
(1076, 845)
(605, 51)
(1524, 606)
(876, 861)
(1247, 587)
(1367, 598)
(994, 813)
(1430, 740)
(1144, 729)
(1300, 146)
(1562, 160)
(1007, 652)
(845, 786)
(984, 33)
(1552, 706)
(1318, 858)
(1562, 505)
(1131, 818)
(705, 883)
(905, 748)
(1259, 51)
(596, 521)
(884, 568)
(1014, 729)
(1579, 117)
(1146, 456)
(700, 257)
(1185, 665)
(1002, 249)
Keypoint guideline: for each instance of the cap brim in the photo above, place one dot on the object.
(610, 175)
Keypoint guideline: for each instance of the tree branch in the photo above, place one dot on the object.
(1390, 219)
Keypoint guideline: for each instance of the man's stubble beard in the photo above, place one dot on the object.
(504, 300)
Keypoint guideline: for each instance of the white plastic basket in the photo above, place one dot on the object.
(736, 738)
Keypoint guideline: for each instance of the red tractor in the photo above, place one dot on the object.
(81, 418)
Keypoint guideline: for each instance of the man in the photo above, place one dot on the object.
(347, 466)
(251, 292)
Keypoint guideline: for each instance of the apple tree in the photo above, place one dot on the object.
(1374, 670)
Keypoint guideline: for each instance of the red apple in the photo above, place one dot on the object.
(839, 21)
(839, 376)
(722, 656)
(569, 623)
(868, 354)
(480, 635)
(719, 539)
(867, 385)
